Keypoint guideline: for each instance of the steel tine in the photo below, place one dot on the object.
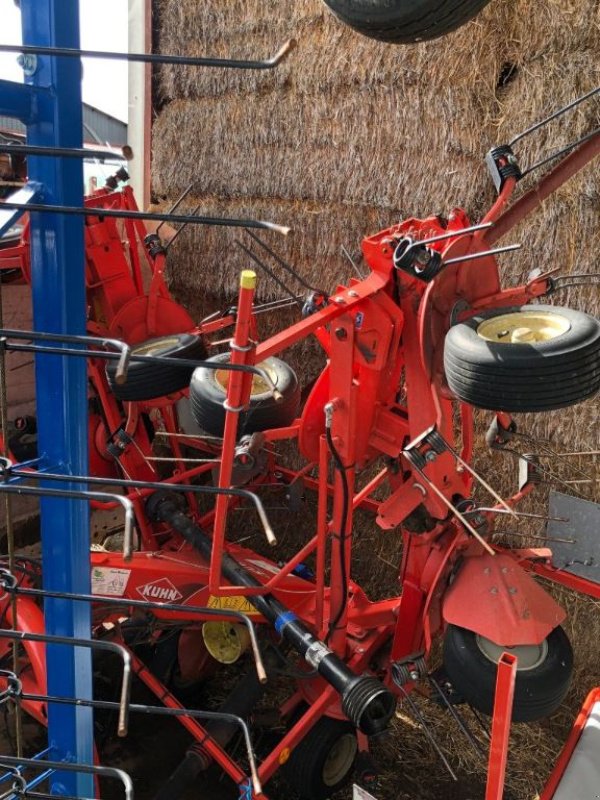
(517, 513)
(69, 766)
(179, 362)
(454, 234)
(38, 491)
(423, 722)
(353, 262)
(10, 584)
(89, 211)
(283, 264)
(458, 718)
(554, 115)
(91, 644)
(165, 712)
(472, 472)
(182, 487)
(484, 254)
(155, 58)
(123, 365)
(177, 203)
(450, 505)
(268, 270)
(484, 729)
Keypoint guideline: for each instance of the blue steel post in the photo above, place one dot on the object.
(61, 384)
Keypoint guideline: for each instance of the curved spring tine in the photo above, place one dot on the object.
(179, 487)
(14, 686)
(67, 766)
(167, 712)
(37, 491)
(30, 336)
(10, 584)
(91, 644)
(19, 785)
(545, 449)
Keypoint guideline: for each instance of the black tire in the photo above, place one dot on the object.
(207, 395)
(405, 21)
(145, 381)
(524, 375)
(311, 770)
(539, 688)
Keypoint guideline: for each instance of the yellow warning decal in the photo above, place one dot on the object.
(233, 603)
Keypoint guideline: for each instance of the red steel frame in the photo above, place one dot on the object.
(503, 704)
(380, 334)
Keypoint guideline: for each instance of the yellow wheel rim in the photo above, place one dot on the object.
(523, 327)
(259, 385)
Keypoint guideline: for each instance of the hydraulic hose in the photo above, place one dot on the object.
(365, 701)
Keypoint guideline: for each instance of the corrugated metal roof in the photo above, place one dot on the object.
(97, 126)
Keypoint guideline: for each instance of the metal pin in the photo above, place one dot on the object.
(10, 584)
(423, 722)
(154, 58)
(477, 476)
(68, 766)
(449, 505)
(90, 644)
(453, 234)
(484, 254)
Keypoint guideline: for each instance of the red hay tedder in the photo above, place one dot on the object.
(387, 427)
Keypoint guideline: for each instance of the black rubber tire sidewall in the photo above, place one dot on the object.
(264, 412)
(304, 769)
(541, 376)
(405, 21)
(538, 691)
(146, 380)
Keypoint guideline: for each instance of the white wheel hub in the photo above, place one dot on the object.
(529, 656)
(340, 759)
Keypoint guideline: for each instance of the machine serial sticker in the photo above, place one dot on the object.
(109, 581)
(233, 603)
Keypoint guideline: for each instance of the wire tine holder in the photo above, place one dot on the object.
(215, 716)
(154, 58)
(91, 644)
(12, 763)
(426, 728)
(426, 448)
(38, 491)
(144, 485)
(123, 357)
(19, 782)
(10, 584)
(456, 715)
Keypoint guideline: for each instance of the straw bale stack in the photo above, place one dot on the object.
(350, 135)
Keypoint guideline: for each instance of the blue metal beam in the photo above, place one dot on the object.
(30, 193)
(21, 101)
(61, 383)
